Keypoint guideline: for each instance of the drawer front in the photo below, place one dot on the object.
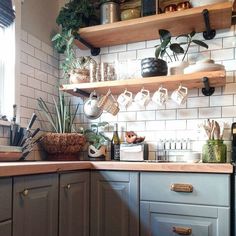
(163, 219)
(5, 198)
(206, 189)
(5, 228)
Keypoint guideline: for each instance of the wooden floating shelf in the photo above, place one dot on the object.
(146, 28)
(191, 81)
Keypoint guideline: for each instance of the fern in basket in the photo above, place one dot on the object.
(63, 121)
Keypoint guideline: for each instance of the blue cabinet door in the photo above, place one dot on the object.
(167, 219)
(114, 203)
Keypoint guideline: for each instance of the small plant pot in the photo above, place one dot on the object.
(97, 154)
(153, 67)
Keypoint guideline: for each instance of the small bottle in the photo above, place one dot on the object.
(115, 144)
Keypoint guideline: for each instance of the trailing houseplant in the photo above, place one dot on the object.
(74, 15)
(64, 142)
(97, 140)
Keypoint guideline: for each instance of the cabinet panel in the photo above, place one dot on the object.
(5, 228)
(5, 198)
(207, 188)
(114, 204)
(159, 219)
(35, 205)
(74, 204)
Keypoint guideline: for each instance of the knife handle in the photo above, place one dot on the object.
(32, 120)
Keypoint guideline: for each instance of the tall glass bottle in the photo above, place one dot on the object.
(115, 144)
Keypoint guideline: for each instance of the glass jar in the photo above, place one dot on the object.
(214, 151)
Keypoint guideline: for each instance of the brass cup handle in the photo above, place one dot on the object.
(187, 188)
(182, 230)
(68, 186)
(25, 192)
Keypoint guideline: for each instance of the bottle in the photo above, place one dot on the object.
(149, 7)
(115, 144)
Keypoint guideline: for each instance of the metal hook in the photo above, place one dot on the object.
(207, 90)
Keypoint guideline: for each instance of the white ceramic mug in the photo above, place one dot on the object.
(160, 96)
(142, 97)
(125, 98)
(180, 95)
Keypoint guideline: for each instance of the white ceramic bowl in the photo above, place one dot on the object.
(203, 67)
(198, 3)
(192, 157)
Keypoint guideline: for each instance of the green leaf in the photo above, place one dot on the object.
(175, 47)
(58, 115)
(164, 34)
(157, 52)
(192, 33)
(200, 43)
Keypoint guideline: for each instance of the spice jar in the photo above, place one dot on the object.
(214, 151)
(170, 8)
(183, 6)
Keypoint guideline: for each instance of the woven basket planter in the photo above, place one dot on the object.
(63, 147)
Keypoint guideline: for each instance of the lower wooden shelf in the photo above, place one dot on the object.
(191, 81)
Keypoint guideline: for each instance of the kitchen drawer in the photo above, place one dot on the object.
(168, 219)
(5, 228)
(207, 189)
(5, 198)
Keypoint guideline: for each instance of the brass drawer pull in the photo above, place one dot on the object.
(182, 230)
(25, 192)
(68, 186)
(187, 188)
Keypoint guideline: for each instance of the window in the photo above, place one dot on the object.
(9, 58)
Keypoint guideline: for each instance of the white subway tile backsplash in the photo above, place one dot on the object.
(27, 70)
(146, 115)
(23, 79)
(223, 100)
(176, 124)
(187, 113)
(155, 125)
(34, 83)
(41, 55)
(129, 55)
(23, 57)
(26, 48)
(135, 126)
(40, 75)
(213, 44)
(153, 43)
(143, 53)
(222, 54)
(47, 49)
(24, 35)
(23, 101)
(117, 48)
(229, 111)
(166, 115)
(198, 102)
(229, 88)
(34, 41)
(210, 112)
(229, 65)
(127, 116)
(34, 62)
(109, 57)
(46, 68)
(136, 46)
(229, 42)
(27, 91)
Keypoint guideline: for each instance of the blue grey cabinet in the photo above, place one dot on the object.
(184, 204)
(74, 204)
(114, 203)
(35, 205)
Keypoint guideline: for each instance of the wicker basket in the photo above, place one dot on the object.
(109, 104)
(79, 76)
(63, 147)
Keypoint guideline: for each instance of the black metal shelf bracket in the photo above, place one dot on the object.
(207, 90)
(94, 51)
(209, 33)
(81, 92)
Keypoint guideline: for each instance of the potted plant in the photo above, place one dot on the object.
(74, 15)
(97, 149)
(64, 143)
(176, 65)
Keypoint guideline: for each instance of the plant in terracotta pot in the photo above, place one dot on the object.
(64, 143)
(172, 50)
(74, 15)
(97, 149)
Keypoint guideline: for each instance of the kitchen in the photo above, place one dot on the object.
(38, 76)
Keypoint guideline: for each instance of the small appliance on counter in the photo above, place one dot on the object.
(133, 152)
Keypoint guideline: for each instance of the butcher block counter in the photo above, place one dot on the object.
(36, 167)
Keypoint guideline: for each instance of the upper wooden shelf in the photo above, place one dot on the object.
(146, 28)
(191, 81)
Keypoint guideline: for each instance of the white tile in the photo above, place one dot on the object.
(41, 75)
(108, 117)
(26, 112)
(24, 57)
(26, 91)
(229, 42)
(127, 116)
(213, 44)
(24, 35)
(187, 113)
(223, 54)
(144, 53)
(48, 88)
(34, 41)
(27, 70)
(176, 124)
(103, 50)
(222, 33)
(32, 61)
(229, 88)
(24, 101)
(194, 124)
(47, 48)
(82, 53)
(135, 46)
(153, 43)
(210, 112)
(109, 57)
(229, 111)
(224, 100)
(129, 55)
(146, 115)
(24, 79)
(229, 65)
(170, 104)
(41, 94)
(135, 107)
(34, 83)
(32, 103)
(135, 126)
(229, 78)
(46, 68)
(25, 47)
(41, 55)
(53, 61)
(52, 80)
(117, 48)
(166, 115)
(155, 125)
(198, 102)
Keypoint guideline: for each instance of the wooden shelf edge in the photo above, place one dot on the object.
(191, 81)
(116, 33)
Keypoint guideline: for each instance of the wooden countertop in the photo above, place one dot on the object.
(36, 167)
